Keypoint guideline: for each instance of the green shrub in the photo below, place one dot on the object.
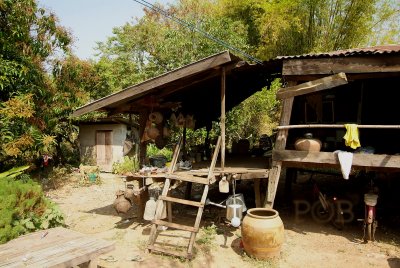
(152, 150)
(24, 208)
(128, 164)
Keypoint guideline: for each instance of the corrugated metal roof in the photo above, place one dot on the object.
(376, 50)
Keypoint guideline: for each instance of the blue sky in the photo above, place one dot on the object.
(91, 21)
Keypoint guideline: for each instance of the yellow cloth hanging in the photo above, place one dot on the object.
(351, 137)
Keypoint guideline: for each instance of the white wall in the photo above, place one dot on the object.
(87, 139)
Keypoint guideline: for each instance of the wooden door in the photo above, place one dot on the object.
(104, 149)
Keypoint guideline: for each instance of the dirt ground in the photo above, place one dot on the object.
(89, 210)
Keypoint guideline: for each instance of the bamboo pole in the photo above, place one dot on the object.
(338, 126)
(223, 119)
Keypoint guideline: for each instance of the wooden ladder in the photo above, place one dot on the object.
(164, 198)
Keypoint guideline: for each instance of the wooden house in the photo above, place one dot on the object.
(322, 93)
(101, 142)
(328, 90)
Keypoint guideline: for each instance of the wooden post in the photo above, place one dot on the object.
(184, 153)
(280, 144)
(223, 78)
(188, 190)
(142, 199)
(257, 194)
(143, 116)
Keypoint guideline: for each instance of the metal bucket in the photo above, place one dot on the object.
(236, 199)
(234, 210)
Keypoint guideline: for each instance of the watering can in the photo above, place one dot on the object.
(234, 210)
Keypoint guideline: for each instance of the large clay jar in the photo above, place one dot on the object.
(308, 143)
(121, 204)
(262, 233)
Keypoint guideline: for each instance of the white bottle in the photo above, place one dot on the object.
(150, 209)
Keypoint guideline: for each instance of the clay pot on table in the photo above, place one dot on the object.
(308, 143)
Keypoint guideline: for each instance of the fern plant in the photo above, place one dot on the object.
(23, 206)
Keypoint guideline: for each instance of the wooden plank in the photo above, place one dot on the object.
(370, 64)
(359, 160)
(312, 86)
(169, 211)
(143, 116)
(159, 208)
(223, 78)
(257, 195)
(34, 241)
(350, 76)
(176, 226)
(59, 248)
(72, 253)
(280, 144)
(204, 196)
(181, 201)
(189, 178)
(198, 220)
(338, 126)
(175, 156)
(139, 89)
(210, 175)
(253, 175)
(168, 251)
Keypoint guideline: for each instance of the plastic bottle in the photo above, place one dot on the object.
(150, 209)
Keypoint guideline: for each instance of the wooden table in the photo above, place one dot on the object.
(240, 168)
(60, 247)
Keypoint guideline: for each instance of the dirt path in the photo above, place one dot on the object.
(308, 244)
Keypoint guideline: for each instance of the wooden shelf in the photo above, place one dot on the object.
(294, 158)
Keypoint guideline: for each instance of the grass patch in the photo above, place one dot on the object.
(119, 235)
(206, 238)
(271, 263)
(141, 244)
(207, 235)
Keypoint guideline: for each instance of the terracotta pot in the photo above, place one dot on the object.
(262, 233)
(156, 117)
(308, 144)
(166, 132)
(180, 120)
(121, 204)
(153, 133)
(190, 122)
(131, 195)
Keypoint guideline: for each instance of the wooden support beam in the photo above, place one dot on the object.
(312, 86)
(138, 90)
(257, 193)
(223, 78)
(323, 158)
(350, 76)
(143, 116)
(338, 126)
(280, 144)
(370, 64)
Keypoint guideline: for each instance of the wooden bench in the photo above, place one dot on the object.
(57, 247)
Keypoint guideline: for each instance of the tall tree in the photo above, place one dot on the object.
(290, 27)
(155, 45)
(35, 105)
